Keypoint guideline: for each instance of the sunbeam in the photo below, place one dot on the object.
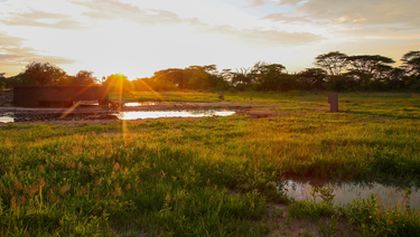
(70, 110)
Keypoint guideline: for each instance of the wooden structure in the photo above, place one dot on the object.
(58, 96)
(333, 101)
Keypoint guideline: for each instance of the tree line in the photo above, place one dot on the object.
(333, 71)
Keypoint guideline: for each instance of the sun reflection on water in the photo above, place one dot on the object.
(134, 115)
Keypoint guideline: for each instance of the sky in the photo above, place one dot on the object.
(139, 37)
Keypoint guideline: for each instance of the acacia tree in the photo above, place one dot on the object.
(371, 72)
(411, 63)
(374, 66)
(411, 67)
(333, 62)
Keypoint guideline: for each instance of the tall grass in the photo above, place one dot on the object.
(196, 177)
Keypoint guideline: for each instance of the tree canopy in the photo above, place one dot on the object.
(411, 63)
(333, 71)
(334, 62)
(118, 83)
(43, 74)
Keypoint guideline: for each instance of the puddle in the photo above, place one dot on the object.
(7, 118)
(128, 115)
(345, 193)
(133, 115)
(136, 104)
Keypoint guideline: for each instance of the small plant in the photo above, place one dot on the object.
(373, 220)
(325, 193)
(310, 209)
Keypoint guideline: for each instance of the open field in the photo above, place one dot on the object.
(211, 176)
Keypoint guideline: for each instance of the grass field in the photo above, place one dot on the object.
(207, 176)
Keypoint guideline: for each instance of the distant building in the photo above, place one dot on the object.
(57, 96)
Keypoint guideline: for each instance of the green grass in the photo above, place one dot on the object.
(367, 217)
(198, 177)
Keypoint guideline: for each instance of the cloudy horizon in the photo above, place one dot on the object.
(138, 37)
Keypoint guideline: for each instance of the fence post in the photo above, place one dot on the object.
(333, 101)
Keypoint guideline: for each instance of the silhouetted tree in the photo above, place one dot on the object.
(370, 71)
(312, 78)
(84, 78)
(201, 77)
(411, 63)
(271, 77)
(241, 79)
(396, 79)
(334, 62)
(411, 66)
(42, 74)
(171, 75)
(372, 65)
(3, 83)
(335, 71)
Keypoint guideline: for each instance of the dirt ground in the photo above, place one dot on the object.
(281, 224)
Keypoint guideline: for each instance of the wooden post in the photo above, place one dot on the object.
(221, 96)
(333, 101)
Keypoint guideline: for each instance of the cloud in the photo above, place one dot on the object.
(109, 9)
(37, 18)
(353, 20)
(256, 3)
(268, 36)
(13, 56)
(365, 12)
(287, 18)
(400, 12)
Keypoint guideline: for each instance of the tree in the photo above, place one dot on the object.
(84, 78)
(241, 79)
(334, 62)
(204, 77)
(370, 72)
(42, 74)
(375, 66)
(411, 63)
(173, 76)
(312, 78)
(270, 77)
(118, 83)
(3, 83)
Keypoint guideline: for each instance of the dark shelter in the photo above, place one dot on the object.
(58, 96)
